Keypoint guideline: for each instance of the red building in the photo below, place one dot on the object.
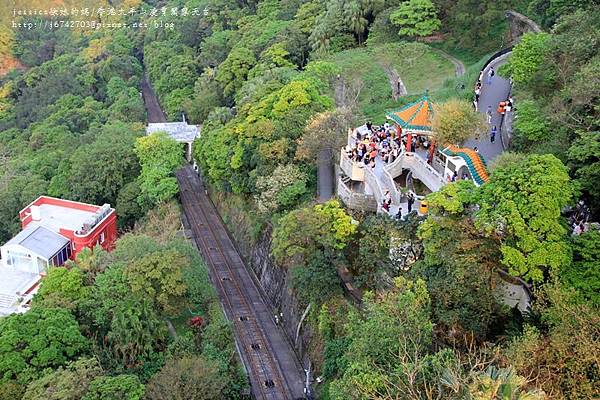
(54, 231)
(85, 225)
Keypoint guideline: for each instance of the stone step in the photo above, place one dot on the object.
(7, 300)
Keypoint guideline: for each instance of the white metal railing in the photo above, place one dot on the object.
(373, 182)
(423, 171)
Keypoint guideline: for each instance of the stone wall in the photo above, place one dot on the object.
(356, 201)
(520, 24)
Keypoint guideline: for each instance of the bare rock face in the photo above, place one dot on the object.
(520, 24)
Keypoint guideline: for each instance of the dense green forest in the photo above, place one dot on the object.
(274, 83)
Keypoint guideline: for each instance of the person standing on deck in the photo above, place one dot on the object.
(411, 201)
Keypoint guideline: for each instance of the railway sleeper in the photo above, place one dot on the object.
(269, 383)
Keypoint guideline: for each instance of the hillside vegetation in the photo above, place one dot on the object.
(275, 84)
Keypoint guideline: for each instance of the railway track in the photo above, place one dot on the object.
(270, 362)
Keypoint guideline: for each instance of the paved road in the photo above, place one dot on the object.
(491, 95)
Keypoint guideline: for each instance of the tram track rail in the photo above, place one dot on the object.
(234, 285)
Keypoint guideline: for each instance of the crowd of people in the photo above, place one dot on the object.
(383, 141)
(386, 142)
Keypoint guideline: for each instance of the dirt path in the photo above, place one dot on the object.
(459, 67)
(398, 87)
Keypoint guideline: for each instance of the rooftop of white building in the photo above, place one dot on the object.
(56, 217)
(180, 131)
(56, 214)
(39, 240)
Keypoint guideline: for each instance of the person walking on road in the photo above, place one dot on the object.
(493, 134)
(489, 114)
(490, 74)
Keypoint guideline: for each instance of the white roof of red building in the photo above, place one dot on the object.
(57, 217)
(56, 214)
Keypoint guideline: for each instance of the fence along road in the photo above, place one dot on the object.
(270, 361)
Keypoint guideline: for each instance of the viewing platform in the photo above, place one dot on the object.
(383, 167)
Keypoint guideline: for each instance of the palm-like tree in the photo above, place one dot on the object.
(319, 37)
(354, 17)
(501, 384)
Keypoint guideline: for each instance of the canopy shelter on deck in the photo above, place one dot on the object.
(413, 119)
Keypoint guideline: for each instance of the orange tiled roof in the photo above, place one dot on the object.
(414, 116)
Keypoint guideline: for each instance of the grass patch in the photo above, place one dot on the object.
(180, 323)
(467, 56)
(361, 64)
(452, 88)
(424, 71)
(419, 67)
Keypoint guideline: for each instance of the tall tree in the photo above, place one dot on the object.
(389, 339)
(159, 276)
(234, 70)
(159, 156)
(527, 59)
(39, 339)
(522, 203)
(455, 121)
(310, 229)
(68, 383)
(416, 18)
(583, 274)
(562, 357)
(186, 379)
(115, 387)
(62, 287)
